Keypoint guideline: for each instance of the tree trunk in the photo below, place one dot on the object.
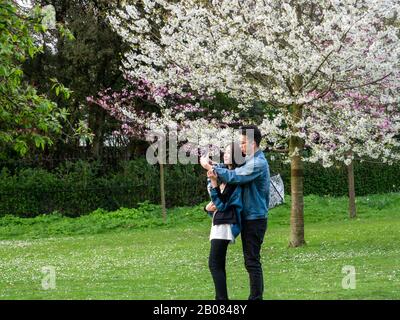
(352, 192)
(297, 187)
(97, 125)
(162, 192)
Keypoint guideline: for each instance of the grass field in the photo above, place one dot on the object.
(129, 254)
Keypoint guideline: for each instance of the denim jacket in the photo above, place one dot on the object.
(235, 201)
(254, 178)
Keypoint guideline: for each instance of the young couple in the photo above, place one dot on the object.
(239, 205)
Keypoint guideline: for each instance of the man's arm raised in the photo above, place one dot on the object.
(241, 175)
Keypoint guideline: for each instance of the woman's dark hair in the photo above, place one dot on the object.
(238, 158)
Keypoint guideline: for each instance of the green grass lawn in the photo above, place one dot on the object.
(131, 255)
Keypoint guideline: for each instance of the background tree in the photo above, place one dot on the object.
(86, 65)
(356, 127)
(28, 119)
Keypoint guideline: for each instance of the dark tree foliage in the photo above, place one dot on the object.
(85, 65)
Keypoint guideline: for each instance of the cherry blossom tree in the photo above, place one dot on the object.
(138, 111)
(146, 111)
(290, 54)
(344, 129)
(143, 109)
(364, 129)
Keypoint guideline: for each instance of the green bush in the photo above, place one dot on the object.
(370, 178)
(77, 188)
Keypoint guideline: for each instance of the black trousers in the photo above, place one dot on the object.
(216, 263)
(252, 235)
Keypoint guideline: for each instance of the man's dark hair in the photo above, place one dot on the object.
(256, 135)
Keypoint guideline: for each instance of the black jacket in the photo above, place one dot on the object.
(227, 216)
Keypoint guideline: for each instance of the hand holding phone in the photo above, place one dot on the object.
(205, 162)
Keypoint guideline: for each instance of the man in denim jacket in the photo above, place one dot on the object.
(254, 178)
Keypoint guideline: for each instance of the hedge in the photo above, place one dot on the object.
(370, 178)
(77, 188)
